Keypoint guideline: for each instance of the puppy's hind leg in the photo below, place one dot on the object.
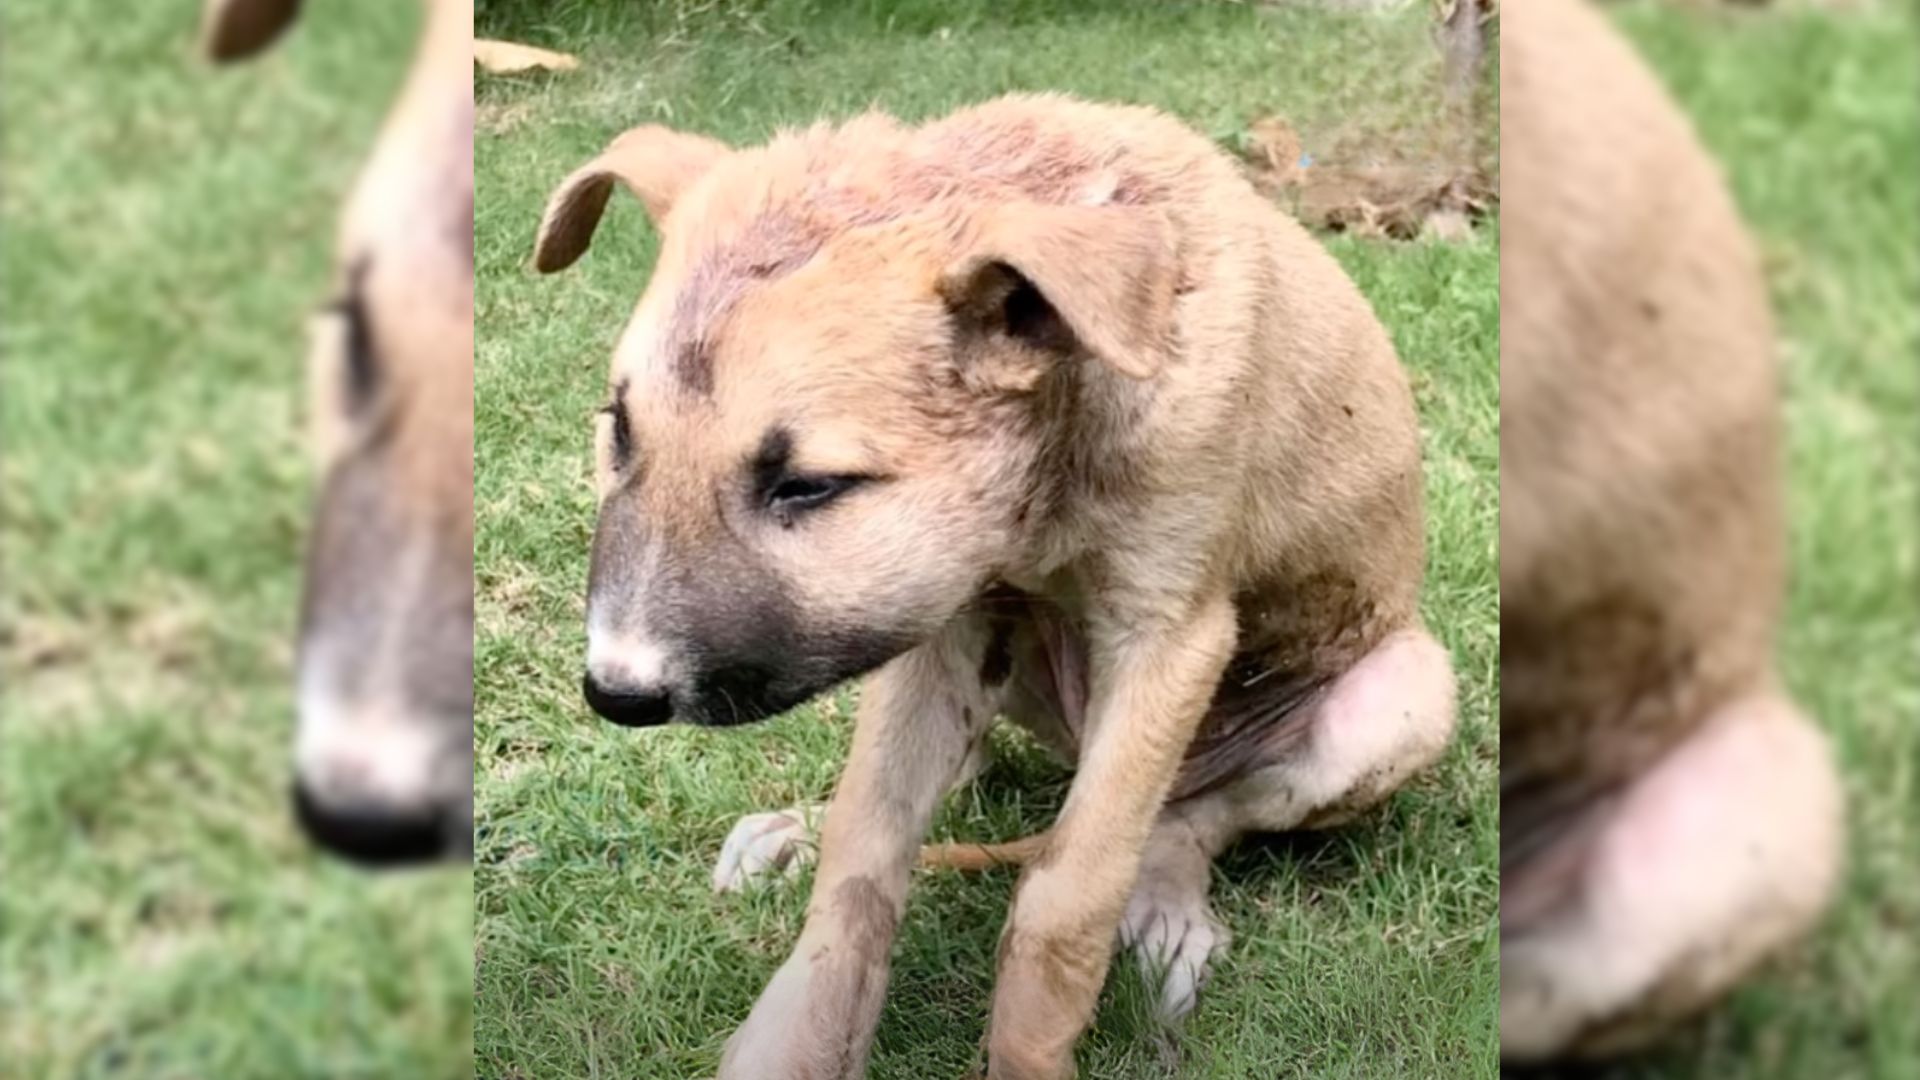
(1671, 889)
(1168, 923)
(1388, 717)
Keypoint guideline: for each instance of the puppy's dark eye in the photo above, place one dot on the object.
(622, 428)
(783, 490)
(361, 372)
(798, 494)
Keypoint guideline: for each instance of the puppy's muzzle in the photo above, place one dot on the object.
(626, 706)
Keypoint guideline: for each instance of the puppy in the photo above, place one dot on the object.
(1038, 410)
(1667, 816)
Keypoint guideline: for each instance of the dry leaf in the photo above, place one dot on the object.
(1273, 143)
(509, 58)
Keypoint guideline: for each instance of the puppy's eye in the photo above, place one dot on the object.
(352, 342)
(343, 376)
(619, 431)
(798, 494)
(784, 491)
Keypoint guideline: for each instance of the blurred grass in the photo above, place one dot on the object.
(1816, 120)
(167, 229)
(1366, 952)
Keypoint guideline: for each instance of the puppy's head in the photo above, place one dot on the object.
(835, 411)
(383, 758)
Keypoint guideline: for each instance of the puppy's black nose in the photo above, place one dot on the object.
(370, 836)
(627, 708)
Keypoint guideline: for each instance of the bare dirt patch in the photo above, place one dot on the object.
(1371, 183)
(1396, 180)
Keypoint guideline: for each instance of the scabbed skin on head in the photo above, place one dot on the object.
(834, 405)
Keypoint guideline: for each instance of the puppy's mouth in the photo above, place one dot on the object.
(732, 701)
(746, 693)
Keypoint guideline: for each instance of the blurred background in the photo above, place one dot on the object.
(168, 231)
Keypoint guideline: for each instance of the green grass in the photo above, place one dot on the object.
(1366, 952)
(1814, 119)
(167, 229)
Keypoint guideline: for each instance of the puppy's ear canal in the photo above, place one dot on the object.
(237, 29)
(657, 164)
(1099, 276)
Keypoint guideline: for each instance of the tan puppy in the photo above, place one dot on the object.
(384, 760)
(1667, 817)
(1038, 410)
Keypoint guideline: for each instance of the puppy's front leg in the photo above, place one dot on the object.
(919, 716)
(1151, 682)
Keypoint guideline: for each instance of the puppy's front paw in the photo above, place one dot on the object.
(1174, 936)
(763, 845)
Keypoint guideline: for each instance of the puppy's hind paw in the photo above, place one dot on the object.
(761, 846)
(1174, 939)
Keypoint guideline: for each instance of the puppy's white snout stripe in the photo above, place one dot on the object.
(625, 663)
(366, 756)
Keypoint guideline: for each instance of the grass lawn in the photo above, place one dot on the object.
(168, 227)
(1366, 952)
(1814, 118)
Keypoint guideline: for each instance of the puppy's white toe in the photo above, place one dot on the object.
(1174, 939)
(761, 846)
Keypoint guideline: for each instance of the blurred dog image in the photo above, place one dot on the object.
(1039, 409)
(1668, 817)
(384, 756)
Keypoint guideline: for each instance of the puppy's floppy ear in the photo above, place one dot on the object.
(1101, 276)
(236, 29)
(657, 164)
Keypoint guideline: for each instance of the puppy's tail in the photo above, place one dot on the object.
(970, 857)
